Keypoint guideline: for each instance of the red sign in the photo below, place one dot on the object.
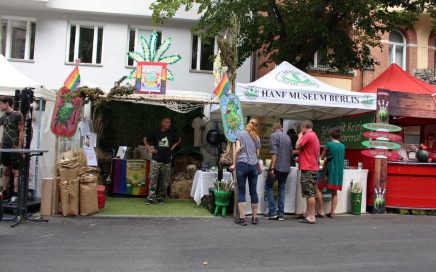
(383, 136)
(383, 154)
(66, 114)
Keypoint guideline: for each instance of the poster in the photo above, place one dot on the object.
(265, 125)
(66, 114)
(351, 129)
(151, 77)
(91, 158)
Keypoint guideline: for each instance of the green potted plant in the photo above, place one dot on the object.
(356, 198)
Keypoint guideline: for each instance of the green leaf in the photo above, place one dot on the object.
(170, 59)
(136, 56)
(162, 49)
(145, 48)
(170, 75)
(132, 74)
(153, 45)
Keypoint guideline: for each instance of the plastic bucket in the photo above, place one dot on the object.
(356, 203)
(101, 196)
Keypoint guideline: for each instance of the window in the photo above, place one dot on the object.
(320, 59)
(17, 38)
(135, 43)
(397, 49)
(85, 43)
(203, 53)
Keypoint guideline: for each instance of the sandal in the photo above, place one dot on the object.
(240, 221)
(305, 221)
(330, 215)
(320, 215)
(299, 217)
(254, 221)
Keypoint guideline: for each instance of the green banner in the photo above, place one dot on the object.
(351, 129)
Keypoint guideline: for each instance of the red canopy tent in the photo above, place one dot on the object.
(396, 79)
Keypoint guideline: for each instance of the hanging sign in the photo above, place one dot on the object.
(65, 119)
(151, 77)
(382, 136)
(381, 145)
(382, 127)
(382, 154)
(231, 114)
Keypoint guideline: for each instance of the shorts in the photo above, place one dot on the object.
(11, 160)
(308, 183)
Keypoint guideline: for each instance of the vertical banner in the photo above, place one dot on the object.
(66, 114)
(265, 125)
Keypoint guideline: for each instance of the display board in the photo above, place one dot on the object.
(351, 129)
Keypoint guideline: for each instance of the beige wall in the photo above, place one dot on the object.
(423, 28)
(342, 83)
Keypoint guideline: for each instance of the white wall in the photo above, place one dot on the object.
(50, 69)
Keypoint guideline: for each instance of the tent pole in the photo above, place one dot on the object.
(38, 144)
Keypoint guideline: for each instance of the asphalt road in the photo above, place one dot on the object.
(347, 243)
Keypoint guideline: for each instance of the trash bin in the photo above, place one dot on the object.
(101, 196)
(222, 200)
(356, 203)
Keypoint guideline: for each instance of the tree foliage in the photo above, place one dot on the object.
(293, 30)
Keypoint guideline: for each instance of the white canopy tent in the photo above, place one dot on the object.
(10, 80)
(289, 93)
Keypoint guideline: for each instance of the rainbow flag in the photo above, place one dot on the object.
(73, 80)
(223, 87)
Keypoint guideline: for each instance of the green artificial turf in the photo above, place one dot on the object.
(137, 207)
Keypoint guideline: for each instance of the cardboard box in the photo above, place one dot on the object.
(46, 196)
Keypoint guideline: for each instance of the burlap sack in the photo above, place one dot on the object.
(69, 191)
(88, 191)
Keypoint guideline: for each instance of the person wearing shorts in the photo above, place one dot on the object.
(13, 137)
(308, 146)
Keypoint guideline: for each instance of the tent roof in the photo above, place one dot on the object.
(12, 79)
(396, 79)
(286, 92)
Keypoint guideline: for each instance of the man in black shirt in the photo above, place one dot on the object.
(13, 137)
(160, 143)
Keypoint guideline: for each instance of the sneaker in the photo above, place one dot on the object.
(160, 201)
(281, 218)
(13, 199)
(149, 201)
(254, 221)
(240, 221)
(271, 217)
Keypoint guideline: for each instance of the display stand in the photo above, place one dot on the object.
(21, 215)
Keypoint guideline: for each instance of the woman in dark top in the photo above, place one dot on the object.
(246, 158)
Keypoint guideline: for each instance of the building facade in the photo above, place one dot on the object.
(43, 38)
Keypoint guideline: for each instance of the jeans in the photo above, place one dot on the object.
(244, 171)
(269, 182)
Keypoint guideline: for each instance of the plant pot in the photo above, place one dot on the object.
(222, 200)
(356, 203)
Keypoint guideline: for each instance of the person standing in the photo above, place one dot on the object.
(160, 143)
(281, 152)
(246, 158)
(13, 137)
(334, 152)
(308, 145)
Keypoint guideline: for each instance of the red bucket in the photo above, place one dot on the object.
(101, 196)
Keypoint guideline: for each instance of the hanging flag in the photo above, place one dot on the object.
(223, 87)
(73, 80)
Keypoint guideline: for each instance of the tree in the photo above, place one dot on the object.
(293, 30)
